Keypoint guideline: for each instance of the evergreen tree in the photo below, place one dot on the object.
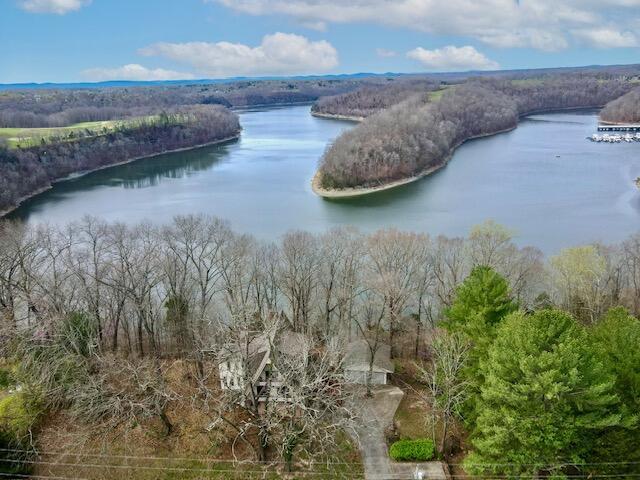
(481, 302)
(544, 396)
(616, 339)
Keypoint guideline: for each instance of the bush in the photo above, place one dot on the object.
(412, 450)
(18, 416)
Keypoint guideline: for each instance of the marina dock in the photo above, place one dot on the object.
(619, 128)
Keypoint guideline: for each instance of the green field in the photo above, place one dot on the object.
(527, 82)
(437, 94)
(29, 137)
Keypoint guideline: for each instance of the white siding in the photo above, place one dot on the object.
(231, 374)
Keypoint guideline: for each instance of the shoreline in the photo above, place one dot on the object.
(335, 116)
(360, 191)
(73, 176)
(353, 192)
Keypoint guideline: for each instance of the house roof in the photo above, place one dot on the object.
(259, 349)
(359, 354)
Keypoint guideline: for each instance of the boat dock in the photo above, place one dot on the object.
(619, 128)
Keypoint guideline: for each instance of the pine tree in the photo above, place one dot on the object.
(616, 339)
(545, 394)
(481, 302)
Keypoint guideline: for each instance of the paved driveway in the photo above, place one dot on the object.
(377, 414)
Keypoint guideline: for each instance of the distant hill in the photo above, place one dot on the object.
(204, 81)
(633, 70)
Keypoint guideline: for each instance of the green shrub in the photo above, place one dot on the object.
(18, 416)
(412, 450)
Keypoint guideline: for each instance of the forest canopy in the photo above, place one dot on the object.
(625, 109)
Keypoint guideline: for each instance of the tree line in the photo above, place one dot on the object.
(418, 134)
(84, 304)
(90, 310)
(24, 171)
(371, 99)
(63, 107)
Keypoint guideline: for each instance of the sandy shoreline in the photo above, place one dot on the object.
(23, 199)
(332, 116)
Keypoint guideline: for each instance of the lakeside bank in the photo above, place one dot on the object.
(316, 182)
(335, 116)
(73, 176)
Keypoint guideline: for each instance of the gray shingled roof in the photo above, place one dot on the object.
(359, 354)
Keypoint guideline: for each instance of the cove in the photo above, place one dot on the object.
(543, 180)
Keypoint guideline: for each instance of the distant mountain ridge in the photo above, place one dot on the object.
(632, 69)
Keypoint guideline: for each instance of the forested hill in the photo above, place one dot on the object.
(420, 134)
(25, 171)
(368, 100)
(625, 109)
(61, 107)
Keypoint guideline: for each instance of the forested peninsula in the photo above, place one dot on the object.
(419, 134)
(48, 135)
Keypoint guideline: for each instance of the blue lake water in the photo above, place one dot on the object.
(544, 180)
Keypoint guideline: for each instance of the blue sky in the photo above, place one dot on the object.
(91, 40)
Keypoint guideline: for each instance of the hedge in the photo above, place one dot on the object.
(412, 450)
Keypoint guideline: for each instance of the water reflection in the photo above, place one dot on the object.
(543, 180)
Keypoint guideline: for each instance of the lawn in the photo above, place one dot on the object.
(413, 417)
(526, 82)
(28, 137)
(437, 94)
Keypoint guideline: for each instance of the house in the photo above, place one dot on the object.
(257, 357)
(357, 363)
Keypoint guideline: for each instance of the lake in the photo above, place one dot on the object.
(544, 180)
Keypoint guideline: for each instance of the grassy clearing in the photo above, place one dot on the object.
(527, 82)
(437, 94)
(30, 137)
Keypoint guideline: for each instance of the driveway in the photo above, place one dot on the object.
(377, 414)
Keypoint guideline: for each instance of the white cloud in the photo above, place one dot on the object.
(384, 53)
(133, 71)
(453, 58)
(278, 54)
(540, 24)
(607, 38)
(59, 7)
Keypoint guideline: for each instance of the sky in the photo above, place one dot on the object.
(97, 40)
